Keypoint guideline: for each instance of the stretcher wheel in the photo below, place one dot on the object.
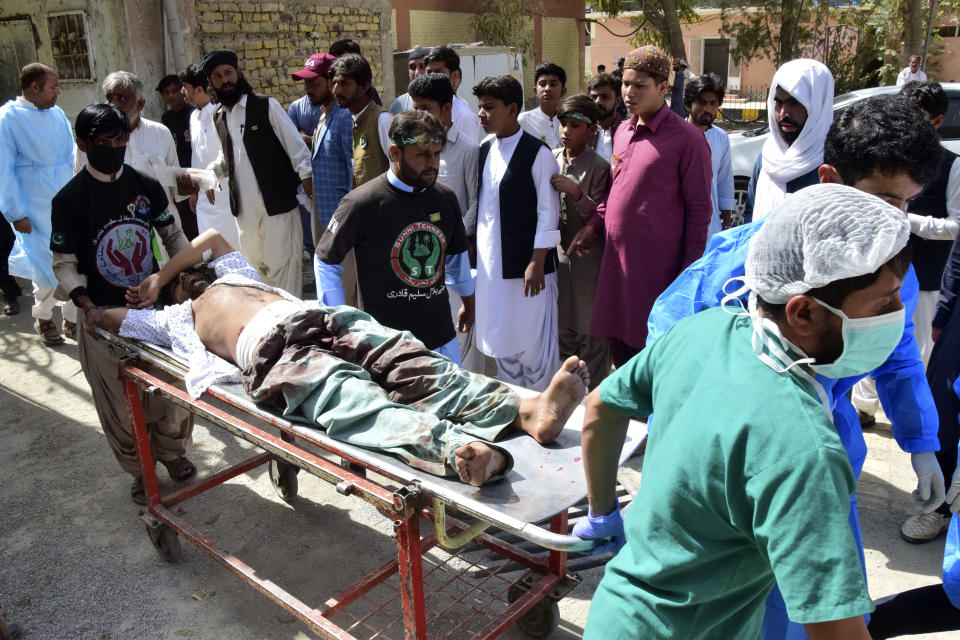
(541, 620)
(284, 479)
(165, 540)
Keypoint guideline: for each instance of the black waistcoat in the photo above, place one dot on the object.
(518, 208)
(276, 177)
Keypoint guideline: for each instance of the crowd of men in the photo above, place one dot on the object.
(552, 248)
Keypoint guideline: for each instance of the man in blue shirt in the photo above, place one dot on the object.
(306, 112)
(881, 146)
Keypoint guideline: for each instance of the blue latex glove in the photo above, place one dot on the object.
(602, 527)
(930, 483)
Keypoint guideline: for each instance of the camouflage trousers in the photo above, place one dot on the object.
(376, 387)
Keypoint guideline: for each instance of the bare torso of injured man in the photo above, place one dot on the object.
(364, 383)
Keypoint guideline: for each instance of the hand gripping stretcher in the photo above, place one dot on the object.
(451, 594)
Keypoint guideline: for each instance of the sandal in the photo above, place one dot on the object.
(137, 493)
(48, 332)
(69, 329)
(181, 469)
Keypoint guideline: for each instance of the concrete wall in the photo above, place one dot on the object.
(107, 36)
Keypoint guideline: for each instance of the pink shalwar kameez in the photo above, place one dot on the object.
(655, 220)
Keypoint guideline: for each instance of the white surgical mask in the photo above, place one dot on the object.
(769, 344)
(867, 343)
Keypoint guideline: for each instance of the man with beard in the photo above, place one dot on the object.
(150, 143)
(409, 240)
(605, 91)
(702, 99)
(351, 78)
(351, 81)
(36, 157)
(266, 161)
(800, 111)
(332, 148)
(102, 220)
(306, 113)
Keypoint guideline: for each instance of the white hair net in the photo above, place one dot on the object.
(821, 234)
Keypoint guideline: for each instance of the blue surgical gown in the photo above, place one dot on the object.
(36, 160)
(901, 381)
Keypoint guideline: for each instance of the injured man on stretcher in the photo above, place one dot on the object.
(363, 383)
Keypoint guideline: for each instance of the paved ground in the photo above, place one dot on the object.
(75, 562)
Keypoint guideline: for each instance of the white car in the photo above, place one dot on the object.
(745, 146)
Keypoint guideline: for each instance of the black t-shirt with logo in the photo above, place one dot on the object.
(107, 226)
(401, 242)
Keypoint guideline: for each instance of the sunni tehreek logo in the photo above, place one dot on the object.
(417, 254)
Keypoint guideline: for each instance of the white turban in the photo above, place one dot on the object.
(819, 235)
(811, 83)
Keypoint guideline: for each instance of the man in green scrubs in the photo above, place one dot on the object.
(748, 484)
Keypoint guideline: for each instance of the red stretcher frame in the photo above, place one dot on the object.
(530, 600)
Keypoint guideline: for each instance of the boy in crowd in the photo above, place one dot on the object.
(605, 91)
(551, 86)
(433, 94)
(444, 59)
(583, 181)
(518, 213)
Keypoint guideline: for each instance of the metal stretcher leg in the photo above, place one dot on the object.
(407, 528)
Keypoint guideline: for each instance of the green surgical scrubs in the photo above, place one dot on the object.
(745, 482)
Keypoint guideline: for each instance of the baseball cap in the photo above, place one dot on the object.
(316, 65)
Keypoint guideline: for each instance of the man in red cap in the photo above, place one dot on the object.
(306, 113)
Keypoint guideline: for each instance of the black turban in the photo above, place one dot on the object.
(218, 57)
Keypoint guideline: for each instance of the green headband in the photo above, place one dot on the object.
(576, 115)
(423, 138)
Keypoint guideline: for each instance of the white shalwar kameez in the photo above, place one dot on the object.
(541, 126)
(811, 84)
(206, 147)
(520, 332)
(36, 156)
(269, 243)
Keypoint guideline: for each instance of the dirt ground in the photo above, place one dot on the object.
(75, 562)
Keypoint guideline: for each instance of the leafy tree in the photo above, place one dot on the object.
(864, 43)
(658, 22)
(505, 23)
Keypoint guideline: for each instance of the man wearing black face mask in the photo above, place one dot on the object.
(101, 222)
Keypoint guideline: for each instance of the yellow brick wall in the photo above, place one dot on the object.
(560, 46)
(272, 39)
(432, 28)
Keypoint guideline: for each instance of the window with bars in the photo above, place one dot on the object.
(71, 51)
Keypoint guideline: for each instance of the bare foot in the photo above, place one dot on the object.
(543, 416)
(477, 462)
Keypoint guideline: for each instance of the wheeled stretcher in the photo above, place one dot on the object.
(450, 582)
